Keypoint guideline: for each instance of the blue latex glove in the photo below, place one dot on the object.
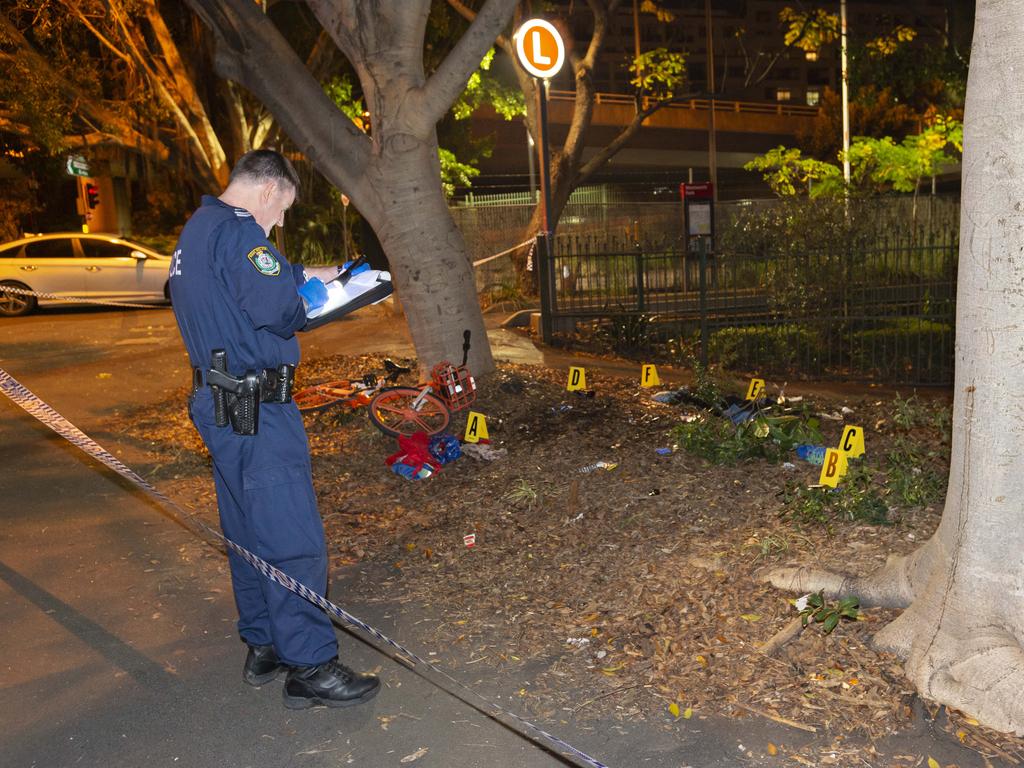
(361, 268)
(313, 293)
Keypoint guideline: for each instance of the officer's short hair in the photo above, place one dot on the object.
(262, 165)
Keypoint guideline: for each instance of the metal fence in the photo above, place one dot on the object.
(881, 311)
(862, 292)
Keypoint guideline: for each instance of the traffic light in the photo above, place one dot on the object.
(92, 194)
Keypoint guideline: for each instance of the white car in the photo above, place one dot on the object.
(78, 265)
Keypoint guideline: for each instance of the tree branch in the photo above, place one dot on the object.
(449, 80)
(90, 107)
(502, 41)
(251, 52)
(595, 163)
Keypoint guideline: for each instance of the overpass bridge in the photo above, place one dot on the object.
(673, 139)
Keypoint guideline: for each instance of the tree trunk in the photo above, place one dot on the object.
(963, 590)
(393, 175)
(427, 254)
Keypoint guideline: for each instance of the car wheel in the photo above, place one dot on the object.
(15, 304)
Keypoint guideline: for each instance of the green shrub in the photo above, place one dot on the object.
(763, 437)
(909, 348)
(856, 499)
(767, 348)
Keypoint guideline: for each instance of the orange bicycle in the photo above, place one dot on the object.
(428, 407)
(354, 393)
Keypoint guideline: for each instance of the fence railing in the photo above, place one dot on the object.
(882, 311)
(877, 302)
(721, 105)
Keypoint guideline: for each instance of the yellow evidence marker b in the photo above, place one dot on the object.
(852, 441)
(833, 468)
(577, 379)
(755, 390)
(476, 428)
(649, 376)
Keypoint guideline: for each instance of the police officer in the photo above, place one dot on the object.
(231, 290)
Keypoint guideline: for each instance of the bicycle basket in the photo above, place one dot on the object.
(454, 385)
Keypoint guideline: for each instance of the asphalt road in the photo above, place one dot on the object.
(118, 645)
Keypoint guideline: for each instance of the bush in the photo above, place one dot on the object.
(768, 437)
(779, 348)
(907, 348)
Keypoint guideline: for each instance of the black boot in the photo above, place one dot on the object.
(261, 665)
(331, 684)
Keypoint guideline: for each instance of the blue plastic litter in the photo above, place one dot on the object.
(739, 414)
(814, 454)
(445, 448)
(412, 473)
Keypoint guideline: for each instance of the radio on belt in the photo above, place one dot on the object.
(355, 287)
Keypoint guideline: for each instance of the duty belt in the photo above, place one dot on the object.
(237, 400)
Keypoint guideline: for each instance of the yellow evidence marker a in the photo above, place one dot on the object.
(577, 379)
(852, 441)
(755, 390)
(649, 376)
(476, 428)
(833, 468)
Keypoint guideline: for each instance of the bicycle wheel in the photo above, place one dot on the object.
(404, 410)
(323, 396)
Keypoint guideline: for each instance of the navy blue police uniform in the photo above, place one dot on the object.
(232, 290)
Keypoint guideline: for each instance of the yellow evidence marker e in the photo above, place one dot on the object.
(476, 428)
(833, 468)
(577, 379)
(649, 376)
(852, 441)
(755, 390)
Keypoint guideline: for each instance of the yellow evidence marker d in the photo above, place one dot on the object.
(476, 428)
(755, 390)
(649, 376)
(852, 441)
(833, 468)
(577, 379)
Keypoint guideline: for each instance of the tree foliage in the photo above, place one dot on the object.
(789, 173)
(876, 164)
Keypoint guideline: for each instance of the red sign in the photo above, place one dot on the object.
(703, 190)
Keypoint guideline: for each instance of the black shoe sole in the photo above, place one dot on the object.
(258, 680)
(305, 702)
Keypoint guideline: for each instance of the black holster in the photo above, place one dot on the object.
(236, 400)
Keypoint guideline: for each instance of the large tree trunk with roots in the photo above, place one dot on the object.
(392, 175)
(963, 591)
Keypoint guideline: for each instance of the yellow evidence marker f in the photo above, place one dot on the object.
(852, 441)
(649, 376)
(577, 379)
(833, 468)
(755, 390)
(476, 428)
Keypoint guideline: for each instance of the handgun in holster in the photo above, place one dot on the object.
(235, 400)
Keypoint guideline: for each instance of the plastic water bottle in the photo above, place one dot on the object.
(813, 454)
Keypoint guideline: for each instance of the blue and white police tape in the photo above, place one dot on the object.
(76, 299)
(34, 406)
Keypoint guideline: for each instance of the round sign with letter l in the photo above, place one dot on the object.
(540, 48)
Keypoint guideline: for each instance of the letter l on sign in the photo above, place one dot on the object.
(539, 58)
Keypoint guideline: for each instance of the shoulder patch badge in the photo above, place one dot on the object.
(265, 261)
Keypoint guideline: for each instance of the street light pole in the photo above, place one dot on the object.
(712, 144)
(846, 92)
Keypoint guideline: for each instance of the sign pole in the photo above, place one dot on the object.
(545, 157)
(545, 253)
(541, 52)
